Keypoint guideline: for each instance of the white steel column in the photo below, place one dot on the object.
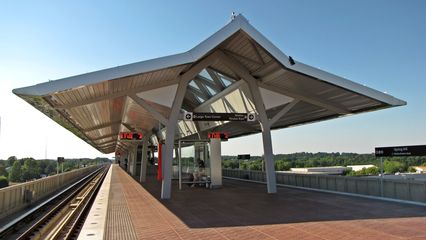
(173, 120)
(215, 162)
(144, 159)
(263, 118)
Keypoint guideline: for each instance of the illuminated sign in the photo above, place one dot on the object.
(221, 135)
(130, 136)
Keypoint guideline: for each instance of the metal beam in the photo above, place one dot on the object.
(226, 91)
(239, 69)
(141, 102)
(173, 118)
(115, 95)
(283, 111)
(334, 107)
(216, 78)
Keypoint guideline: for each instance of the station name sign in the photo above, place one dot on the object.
(243, 156)
(221, 135)
(208, 116)
(130, 136)
(401, 151)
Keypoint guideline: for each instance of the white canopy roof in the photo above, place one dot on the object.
(96, 106)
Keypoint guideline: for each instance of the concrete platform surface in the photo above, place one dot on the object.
(242, 210)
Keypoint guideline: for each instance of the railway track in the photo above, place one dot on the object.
(61, 216)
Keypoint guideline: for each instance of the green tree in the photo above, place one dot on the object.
(16, 172)
(11, 160)
(3, 182)
(30, 170)
(3, 171)
(411, 169)
(50, 169)
(394, 166)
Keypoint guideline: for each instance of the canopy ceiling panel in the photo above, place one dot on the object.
(96, 106)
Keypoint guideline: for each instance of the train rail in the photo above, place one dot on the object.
(59, 217)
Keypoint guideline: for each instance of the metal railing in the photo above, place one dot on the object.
(399, 189)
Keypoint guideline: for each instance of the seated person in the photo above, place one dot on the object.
(198, 172)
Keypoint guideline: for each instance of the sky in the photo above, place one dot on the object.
(380, 44)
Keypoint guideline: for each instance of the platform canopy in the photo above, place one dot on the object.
(218, 72)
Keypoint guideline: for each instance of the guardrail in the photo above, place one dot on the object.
(19, 196)
(404, 189)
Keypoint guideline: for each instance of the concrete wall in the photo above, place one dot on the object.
(410, 190)
(12, 198)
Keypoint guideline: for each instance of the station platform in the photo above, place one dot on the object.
(243, 210)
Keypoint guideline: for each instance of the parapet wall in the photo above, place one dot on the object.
(19, 196)
(407, 190)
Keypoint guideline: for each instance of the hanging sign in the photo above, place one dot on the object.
(221, 135)
(130, 136)
(209, 116)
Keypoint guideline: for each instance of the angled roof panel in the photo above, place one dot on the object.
(98, 101)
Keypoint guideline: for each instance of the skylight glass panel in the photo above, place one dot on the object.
(211, 90)
(193, 84)
(200, 99)
(206, 75)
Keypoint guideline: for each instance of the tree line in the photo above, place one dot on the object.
(283, 162)
(27, 169)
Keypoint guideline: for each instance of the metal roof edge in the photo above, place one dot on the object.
(318, 73)
(45, 88)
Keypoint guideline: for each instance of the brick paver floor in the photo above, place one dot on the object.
(244, 211)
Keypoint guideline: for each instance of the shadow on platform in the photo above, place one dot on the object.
(244, 204)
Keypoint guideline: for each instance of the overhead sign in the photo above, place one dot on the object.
(61, 159)
(208, 116)
(221, 135)
(243, 156)
(130, 136)
(400, 151)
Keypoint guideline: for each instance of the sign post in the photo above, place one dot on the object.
(397, 151)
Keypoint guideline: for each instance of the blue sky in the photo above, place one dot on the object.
(377, 43)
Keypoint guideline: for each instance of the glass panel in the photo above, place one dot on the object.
(193, 84)
(206, 75)
(200, 99)
(211, 90)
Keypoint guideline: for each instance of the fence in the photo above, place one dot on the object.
(17, 197)
(404, 189)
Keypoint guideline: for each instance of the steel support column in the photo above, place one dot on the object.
(173, 120)
(245, 75)
(144, 159)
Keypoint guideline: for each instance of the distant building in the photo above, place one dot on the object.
(360, 167)
(420, 169)
(334, 170)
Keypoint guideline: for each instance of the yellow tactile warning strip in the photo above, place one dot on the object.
(94, 226)
(118, 222)
(243, 211)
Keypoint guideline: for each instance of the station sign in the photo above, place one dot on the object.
(401, 151)
(61, 160)
(208, 116)
(221, 135)
(130, 136)
(243, 156)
